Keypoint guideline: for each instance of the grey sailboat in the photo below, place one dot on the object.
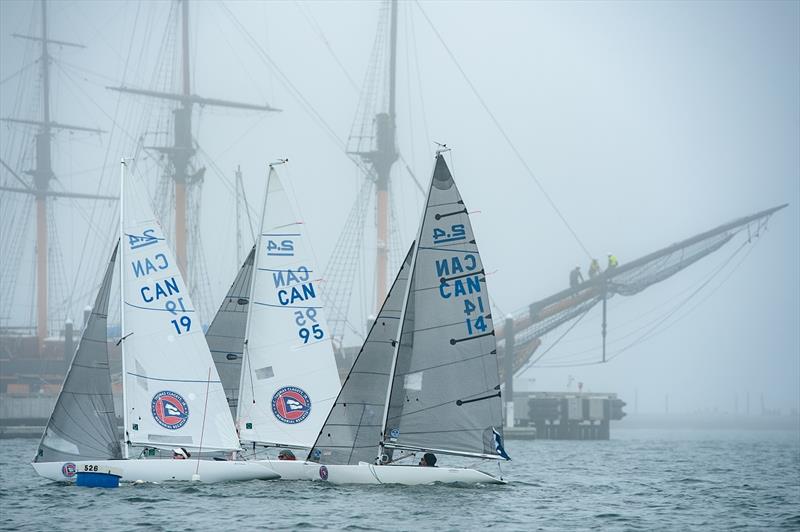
(83, 425)
(426, 379)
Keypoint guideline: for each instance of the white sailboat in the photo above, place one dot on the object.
(172, 395)
(289, 376)
(426, 379)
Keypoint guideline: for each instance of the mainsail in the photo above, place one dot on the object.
(83, 425)
(355, 423)
(172, 392)
(445, 388)
(289, 375)
(225, 335)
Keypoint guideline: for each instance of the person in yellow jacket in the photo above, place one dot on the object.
(612, 261)
(594, 269)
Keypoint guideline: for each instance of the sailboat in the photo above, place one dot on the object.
(225, 335)
(426, 379)
(172, 394)
(289, 377)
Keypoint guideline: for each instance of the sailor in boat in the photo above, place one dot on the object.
(179, 453)
(428, 460)
(286, 454)
(612, 261)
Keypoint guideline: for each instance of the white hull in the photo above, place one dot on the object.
(397, 474)
(156, 470)
(293, 469)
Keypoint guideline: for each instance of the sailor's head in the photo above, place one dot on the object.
(180, 452)
(286, 454)
(428, 459)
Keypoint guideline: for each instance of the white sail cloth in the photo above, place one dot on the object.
(173, 395)
(289, 373)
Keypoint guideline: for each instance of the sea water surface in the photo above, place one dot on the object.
(639, 480)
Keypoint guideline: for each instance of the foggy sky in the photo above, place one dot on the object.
(646, 123)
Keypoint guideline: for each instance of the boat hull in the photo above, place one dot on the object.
(166, 470)
(408, 475)
(292, 469)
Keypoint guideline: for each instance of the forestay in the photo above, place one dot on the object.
(353, 428)
(172, 392)
(83, 425)
(289, 374)
(445, 390)
(225, 335)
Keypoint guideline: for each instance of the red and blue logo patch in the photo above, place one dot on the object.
(69, 470)
(323, 473)
(169, 410)
(291, 405)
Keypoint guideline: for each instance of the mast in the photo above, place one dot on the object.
(409, 288)
(43, 173)
(384, 157)
(246, 369)
(239, 187)
(122, 244)
(181, 153)
(183, 145)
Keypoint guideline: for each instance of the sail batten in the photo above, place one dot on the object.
(83, 424)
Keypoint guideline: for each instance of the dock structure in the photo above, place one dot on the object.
(567, 415)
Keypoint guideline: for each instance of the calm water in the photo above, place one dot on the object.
(641, 480)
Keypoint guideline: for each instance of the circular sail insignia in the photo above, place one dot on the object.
(291, 405)
(169, 410)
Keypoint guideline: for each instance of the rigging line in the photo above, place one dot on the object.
(292, 88)
(652, 326)
(652, 331)
(18, 72)
(503, 133)
(642, 315)
(108, 149)
(537, 359)
(295, 92)
(306, 12)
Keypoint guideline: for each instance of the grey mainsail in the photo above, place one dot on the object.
(225, 335)
(445, 389)
(353, 428)
(83, 424)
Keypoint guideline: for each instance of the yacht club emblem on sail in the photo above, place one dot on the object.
(291, 405)
(170, 410)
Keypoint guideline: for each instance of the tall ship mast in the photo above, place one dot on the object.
(40, 177)
(186, 175)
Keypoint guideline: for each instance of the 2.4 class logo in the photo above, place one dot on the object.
(169, 410)
(291, 405)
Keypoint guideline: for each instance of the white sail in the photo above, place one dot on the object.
(289, 374)
(172, 392)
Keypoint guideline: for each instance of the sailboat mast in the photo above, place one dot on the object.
(122, 243)
(246, 369)
(42, 176)
(384, 157)
(183, 141)
(406, 297)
